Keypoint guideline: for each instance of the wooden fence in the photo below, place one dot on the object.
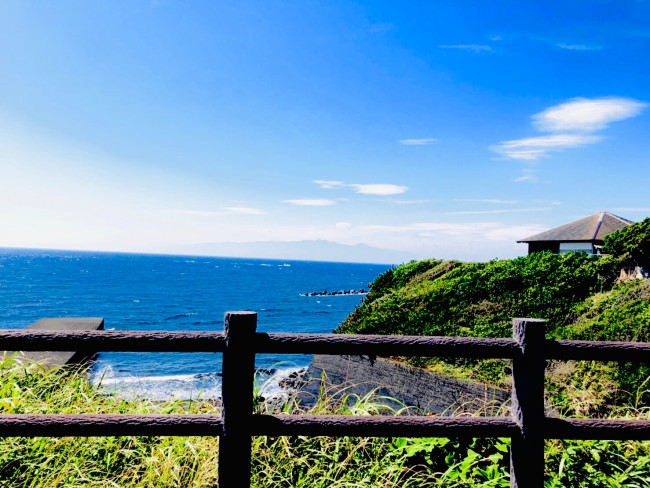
(527, 426)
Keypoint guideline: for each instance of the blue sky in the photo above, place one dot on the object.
(443, 129)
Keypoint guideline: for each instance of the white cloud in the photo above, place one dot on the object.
(329, 184)
(222, 212)
(312, 202)
(579, 47)
(632, 209)
(198, 213)
(484, 230)
(500, 211)
(411, 202)
(587, 115)
(244, 211)
(533, 148)
(427, 141)
(572, 125)
(477, 48)
(513, 233)
(379, 189)
(486, 200)
(526, 179)
(343, 225)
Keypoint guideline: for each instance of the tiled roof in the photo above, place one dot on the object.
(593, 228)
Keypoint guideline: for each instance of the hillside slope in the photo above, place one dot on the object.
(480, 299)
(580, 297)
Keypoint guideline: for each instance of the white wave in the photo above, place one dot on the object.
(164, 387)
(143, 379)
(272, 386)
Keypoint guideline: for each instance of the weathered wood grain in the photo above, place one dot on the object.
(109, 340)
(383, 345)
(598, 350)
(382, 426)
(87, 425)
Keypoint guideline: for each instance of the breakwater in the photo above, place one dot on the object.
(326, 293)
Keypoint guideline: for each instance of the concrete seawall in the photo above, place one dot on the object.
(424, 391)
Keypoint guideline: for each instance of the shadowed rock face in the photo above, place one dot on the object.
(422, 390)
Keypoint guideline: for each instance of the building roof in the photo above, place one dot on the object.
(593, 228)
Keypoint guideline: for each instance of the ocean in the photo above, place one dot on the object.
(177, 293)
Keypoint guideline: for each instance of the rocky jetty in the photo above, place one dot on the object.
(326, 293)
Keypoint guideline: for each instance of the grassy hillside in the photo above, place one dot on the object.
(480, 299)
(434, 297)
(579, 295)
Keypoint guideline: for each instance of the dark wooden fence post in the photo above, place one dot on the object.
(237, 399)
(527, 449)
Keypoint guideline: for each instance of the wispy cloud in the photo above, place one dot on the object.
(427, 141)
(222, 212)
(476, 48)
(529, 178)
(587, 115)
(329, 184)
(533, 148)
(485, 230)
(244, 211)
(632, 209)
(486, 200)
(411, 202)
(500, 211)
(579, 47)
(312, 202)
(572, 124)
(379, 189)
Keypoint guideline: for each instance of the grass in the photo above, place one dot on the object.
(277, 462)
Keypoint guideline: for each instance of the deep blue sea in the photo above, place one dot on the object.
(176, 293)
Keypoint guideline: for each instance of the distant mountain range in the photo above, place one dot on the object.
(314, 250)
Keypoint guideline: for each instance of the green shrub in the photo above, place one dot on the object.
(631, 243)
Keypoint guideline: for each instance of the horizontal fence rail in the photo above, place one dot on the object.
(96, 425)
(112, 341)
(527, 426)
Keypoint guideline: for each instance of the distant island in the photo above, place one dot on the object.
(306, 250)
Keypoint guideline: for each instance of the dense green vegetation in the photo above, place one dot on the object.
(480, 299)
(580, 297)
(277, 462)
(631, 244)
